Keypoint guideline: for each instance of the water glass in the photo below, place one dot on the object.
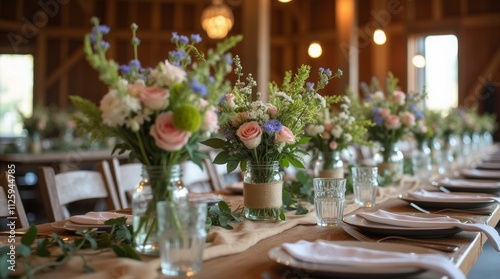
(365, 185)
(422, 167)
(181, 234)
(329, 199)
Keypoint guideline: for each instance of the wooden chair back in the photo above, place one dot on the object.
(58, 190)
(11, 205)
(125, 177)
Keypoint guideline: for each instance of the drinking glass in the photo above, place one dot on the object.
(365, 185)
(329, 198)
(181, 234)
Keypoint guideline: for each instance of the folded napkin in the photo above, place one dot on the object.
(322, 252)
(424, 195)
(410, 221)
(469, 183)
(98, 218)
(476, 173)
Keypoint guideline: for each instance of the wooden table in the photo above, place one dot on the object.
(254, 262)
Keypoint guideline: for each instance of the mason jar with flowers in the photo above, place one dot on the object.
(263, 137)
(160, 114)
(333, 132)
(394, 114)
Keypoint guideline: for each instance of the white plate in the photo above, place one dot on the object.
(383, 229)
(70, 226)
(280, 256)
(488, 165)
(450, 203)
(469, 185)
(481, 174)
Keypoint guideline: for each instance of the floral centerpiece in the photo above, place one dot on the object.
(332, 132)
(159, 114)
(261, 137)
(394, 113)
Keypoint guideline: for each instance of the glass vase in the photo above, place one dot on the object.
(389, 160)
(159, 183)
(329, 165)
(421, 161)
(262, 191)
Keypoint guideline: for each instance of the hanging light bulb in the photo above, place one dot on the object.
(379, 36)
(418, 60)
(315, 50)
(284, 1)
(217, 19)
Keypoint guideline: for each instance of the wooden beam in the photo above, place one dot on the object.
(464, 7)
(111, 22)
(10, 25)
(87, 6)
(347, 57)
(39, 86)
(63, 81)
(64, 67)
(19, 9)
(437, 9)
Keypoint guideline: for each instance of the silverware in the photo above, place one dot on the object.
(427, 244)
(473, 212)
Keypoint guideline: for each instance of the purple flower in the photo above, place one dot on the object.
(378, 120)
(310, 85)
(228, 58)
(272, 126)
(183, 39)
(104, 29)
(211, 79)
(199, 88)
(195, 38)
(175, 37)
(124, 69)
(105, 45)
(93, 37)
(134, 63)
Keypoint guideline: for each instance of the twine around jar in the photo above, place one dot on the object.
(331, 173)
(263, 195)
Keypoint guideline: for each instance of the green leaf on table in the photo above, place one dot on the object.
(88, 269)
(30, 236)
(41, 248)
(301, 210)
(214, 143)
(23, 250)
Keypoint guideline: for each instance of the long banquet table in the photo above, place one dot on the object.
(243, 252)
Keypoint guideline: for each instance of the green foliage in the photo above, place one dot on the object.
(221, 215)
(297, 191)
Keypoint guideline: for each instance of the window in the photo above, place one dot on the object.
(439, 75)
(16, 92)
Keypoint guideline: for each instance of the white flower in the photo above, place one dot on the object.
(167, 74)
(347, 100)
(312, 130)
(114, 110)
(286, 98)
(321, 100)
(337, 131)
(343, 116)
(348, 137)
(378, 97)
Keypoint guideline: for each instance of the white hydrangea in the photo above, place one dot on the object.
(312, 130)
(114, 110)
(166, 74)
(378, 97)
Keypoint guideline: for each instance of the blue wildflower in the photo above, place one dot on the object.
(321, 69)
(105, 45)
(272, 126)
(229, 58)
(104, 29)
(310, 85)
(93, 37)
(198, 87)
(124, 69)
(134, 63)
(211, 79)
(178, 55)
(378, 120)
(328, 72)
(195, 38)
(183, 39)
(418, 114)
(175, 37)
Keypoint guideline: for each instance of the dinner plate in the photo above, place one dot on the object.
(280, 256)
(377, 228)
(480, 174)
(488, 165)
(450, 203)
(70, 226)
(469, 185)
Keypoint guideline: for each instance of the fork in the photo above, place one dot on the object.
(419, 208)
(427, 244)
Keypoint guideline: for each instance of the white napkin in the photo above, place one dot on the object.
(424, 195)
(98, 218)
(469, 183)
(322, 252)
(409, 221)
(491, 174)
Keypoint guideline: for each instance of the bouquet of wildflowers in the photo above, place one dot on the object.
(262, 132)
(159, 113)
(394, 112)
(336, 130)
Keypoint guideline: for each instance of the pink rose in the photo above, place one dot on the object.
(285, 136)
(250, 134)
(392, 122)
(399, 97)
(272, 111)
(408, 119)
(333, 145)
(384, 112)
(210, 122)
(328, 125)
(154, 98)
(239, 118)
(166, 136)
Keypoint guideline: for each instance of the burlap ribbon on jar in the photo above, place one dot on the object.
(263, 195)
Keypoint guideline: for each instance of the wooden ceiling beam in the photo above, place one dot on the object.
(474, 95)
(10, 25)
(64, 67)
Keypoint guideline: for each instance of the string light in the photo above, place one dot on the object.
(418, 60)
(379, 36)
(315, 50)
